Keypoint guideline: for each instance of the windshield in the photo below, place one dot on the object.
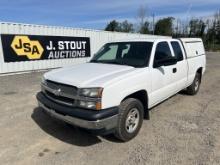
(134, 54)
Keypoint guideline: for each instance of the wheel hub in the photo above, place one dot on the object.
(196, 84)
(132, 120)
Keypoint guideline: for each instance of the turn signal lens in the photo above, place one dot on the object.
(90, 105)
(98, 105)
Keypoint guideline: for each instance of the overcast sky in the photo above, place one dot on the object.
(96, 13)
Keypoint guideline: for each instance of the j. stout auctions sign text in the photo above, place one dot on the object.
(33, 47)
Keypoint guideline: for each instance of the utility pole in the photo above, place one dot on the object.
(177, 27)
(153, 15)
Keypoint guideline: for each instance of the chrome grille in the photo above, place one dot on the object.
(60, 93)
(68, 89)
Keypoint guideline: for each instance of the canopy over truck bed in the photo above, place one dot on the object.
(193, 47)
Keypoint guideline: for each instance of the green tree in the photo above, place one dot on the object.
(127, 27)
(212, 39)
(164, 26)
(217, 26)
(144, 29)
(113, 26)
(197, 28)
(124, 26)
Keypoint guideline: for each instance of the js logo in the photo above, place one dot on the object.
(23, 46)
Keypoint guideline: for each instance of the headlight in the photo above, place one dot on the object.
(91, 92)
(93, 100)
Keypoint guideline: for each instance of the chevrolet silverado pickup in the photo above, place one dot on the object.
(115, 90)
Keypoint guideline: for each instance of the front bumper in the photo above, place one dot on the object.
(89, 119)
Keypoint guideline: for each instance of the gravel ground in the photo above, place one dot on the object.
(182, 130)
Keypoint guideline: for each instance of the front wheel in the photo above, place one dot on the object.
(130, 119)
(194, 87)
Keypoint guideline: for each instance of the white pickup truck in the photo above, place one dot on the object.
(115, 90)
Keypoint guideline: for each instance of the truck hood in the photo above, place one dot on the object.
(88, 74)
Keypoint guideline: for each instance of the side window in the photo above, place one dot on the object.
(162, 51)
(177, 50)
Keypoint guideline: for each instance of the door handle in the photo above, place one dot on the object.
(174, 70)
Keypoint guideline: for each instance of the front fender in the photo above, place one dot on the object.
(117, 91)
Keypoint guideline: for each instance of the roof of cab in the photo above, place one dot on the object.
(146, 39)
(159, 39)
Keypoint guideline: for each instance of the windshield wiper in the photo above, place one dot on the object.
(106, 62)
(109, 62)
(114, 62)
(118, 63)
(96, 61)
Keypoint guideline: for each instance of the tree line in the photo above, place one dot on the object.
(206, 28)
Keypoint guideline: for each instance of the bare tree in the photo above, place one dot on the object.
(142, 24)
(141, 16)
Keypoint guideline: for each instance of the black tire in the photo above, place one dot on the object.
(127, 108)
(194, 87)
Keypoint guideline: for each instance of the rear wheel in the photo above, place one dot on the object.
(130, 119)
(194, 87)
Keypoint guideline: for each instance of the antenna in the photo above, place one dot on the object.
(188, 10)
(187, 15)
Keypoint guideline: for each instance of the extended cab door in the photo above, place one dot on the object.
(162, 78)
(181, 68)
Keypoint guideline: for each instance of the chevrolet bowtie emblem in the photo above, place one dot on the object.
(57, 92)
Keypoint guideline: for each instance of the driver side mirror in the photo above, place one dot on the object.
(165, 62)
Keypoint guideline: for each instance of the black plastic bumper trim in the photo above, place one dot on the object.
(81, 113)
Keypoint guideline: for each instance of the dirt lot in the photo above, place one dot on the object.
(182, 130)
